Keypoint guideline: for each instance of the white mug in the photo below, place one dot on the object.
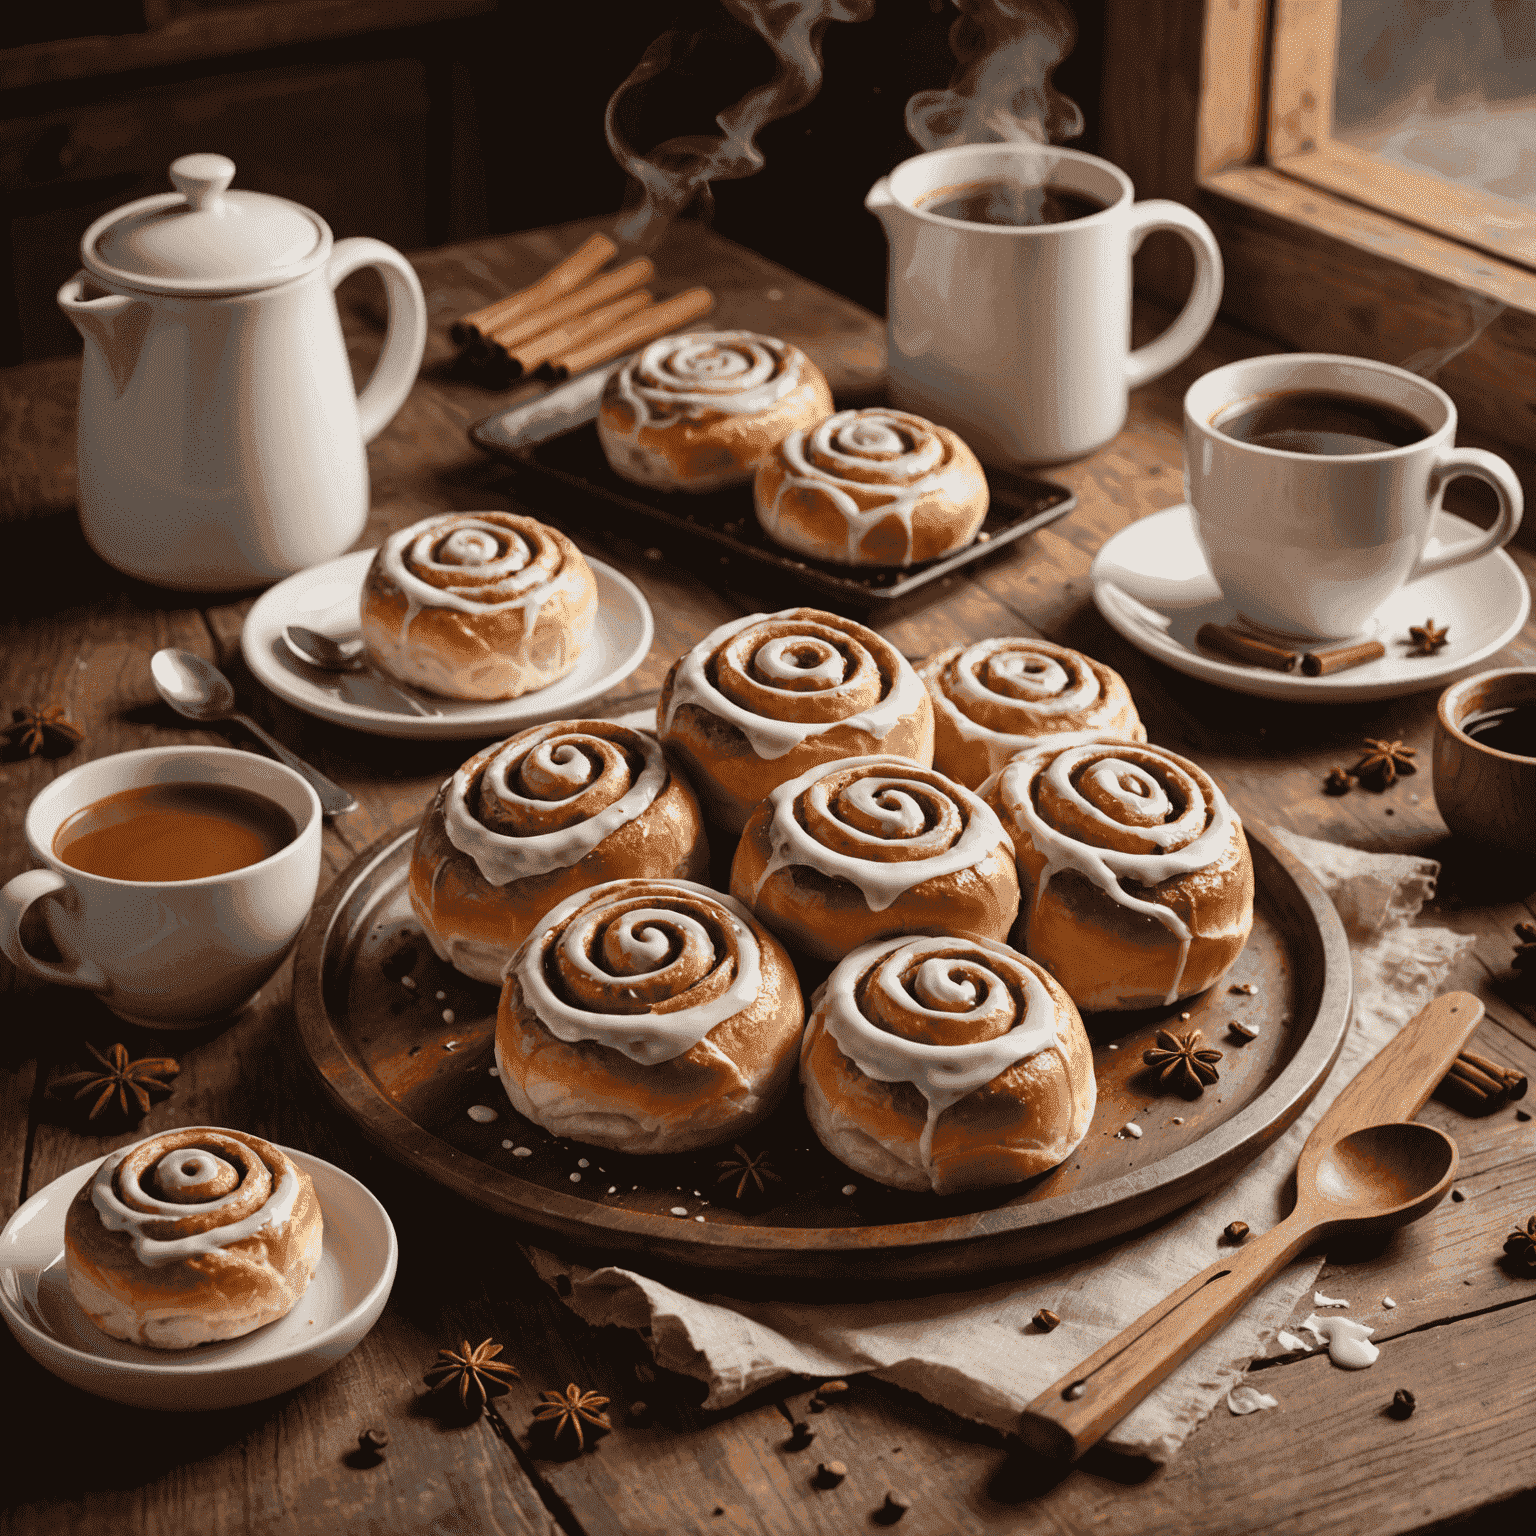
(169, 954)
(1310, 545)
(1018, 337)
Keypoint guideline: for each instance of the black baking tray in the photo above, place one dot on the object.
(726, 518)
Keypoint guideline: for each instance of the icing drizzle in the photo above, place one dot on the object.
(731, 373)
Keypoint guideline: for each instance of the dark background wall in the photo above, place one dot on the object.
(427, 121)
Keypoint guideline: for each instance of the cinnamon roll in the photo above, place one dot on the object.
(191, 1236)
(648, 1016)
(1136, 878)
(700, 411)
(527, 822)
(946, 1064)
(1008, 694)
(478, 605)
(855, 850)
(765, 697)
(872, 487)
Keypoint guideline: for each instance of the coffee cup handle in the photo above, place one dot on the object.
(15, 898)
(1451, 463)
(1195, 319)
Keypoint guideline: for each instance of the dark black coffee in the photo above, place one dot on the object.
(1318, 421)
(1510, 729)
(1010, 203)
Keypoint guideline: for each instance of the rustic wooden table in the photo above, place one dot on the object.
(79, 635)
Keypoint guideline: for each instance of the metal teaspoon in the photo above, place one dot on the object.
(331, 653)
(197, 689)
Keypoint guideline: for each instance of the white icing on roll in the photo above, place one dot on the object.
(1129, 785)
(888, 791)
(735, 373)
(943, 1074)
(502, 858)
(645, 1037)
(140, 1212)
(770, 738)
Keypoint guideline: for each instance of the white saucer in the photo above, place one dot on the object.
(620, 640)
(343, 1301)
(1152, 583)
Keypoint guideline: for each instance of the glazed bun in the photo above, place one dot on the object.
(478, 605)
(946, 1064)
(1136, 878)
(191, 1236)
(701, 411)
(1005, 695)
(531, 820)
(764, 698)
(872, 487)
(648, 1016)
(872, 846)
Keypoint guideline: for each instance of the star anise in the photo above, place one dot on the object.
(119, 1076)
(748, 1169)
(1427, 637)
(1182, 1062)
(566, 1414)
(1383, 763)
(1338, 782)
(477, 1373)
(41, 730)
(1520, 1245)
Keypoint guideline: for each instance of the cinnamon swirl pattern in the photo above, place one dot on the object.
(697, 412)
(854, 850)
(532, 820)
(190, 1236)
(1005, 695)
(1136, 878)
(946, 1064)
(648, 1016)
(872, 487)
(478, 605)
(766, 697)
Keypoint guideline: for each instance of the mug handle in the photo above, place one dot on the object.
(404, 341)
(1195, 319)
(15, 898)
(1451, 463)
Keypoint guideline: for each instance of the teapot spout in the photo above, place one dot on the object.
(881, 202)
(114, 322)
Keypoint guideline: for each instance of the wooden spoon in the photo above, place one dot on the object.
(1361, 1170)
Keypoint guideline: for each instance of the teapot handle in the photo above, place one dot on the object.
(404, 341)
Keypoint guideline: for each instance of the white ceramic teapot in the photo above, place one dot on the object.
(221, 442)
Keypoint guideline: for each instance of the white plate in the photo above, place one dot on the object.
(620, 640)
(343, 1301)
(1152, 583)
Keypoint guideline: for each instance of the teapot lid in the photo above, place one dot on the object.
(203, 238)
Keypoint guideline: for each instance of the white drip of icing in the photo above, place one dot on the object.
(1290, 1343)
(885, 792)
(772, 739)
(502, 858)
(1348, 1341)
(152, 1252)
(943, 1074)
(1107, 867)
(1246, 1399)
(734, 373)
(1319, 1300)
(647, 1038)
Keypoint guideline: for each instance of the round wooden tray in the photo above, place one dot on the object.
(408, 1062)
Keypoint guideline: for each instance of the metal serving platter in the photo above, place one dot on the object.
(409, 1062)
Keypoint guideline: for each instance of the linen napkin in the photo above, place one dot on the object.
(975, 1352)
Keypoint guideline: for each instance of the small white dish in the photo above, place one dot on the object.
(1152, 584)
(343, 1301)
(329, 592)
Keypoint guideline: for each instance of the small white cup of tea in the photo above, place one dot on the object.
(1314, 480)
(1485, 759)
(173, 880)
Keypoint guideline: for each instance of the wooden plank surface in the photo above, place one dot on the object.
(1328, 1460)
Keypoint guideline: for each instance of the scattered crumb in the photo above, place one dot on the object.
(506, 1146)
(575, 1178)
(613, 1189)
(679, 1210)
(408, 982)
(440, 996)
(448, 1016)
(1178, 1119)
(1130, 1128)
(1249, 1400)
(582, 1162)
(522, 1151)
(1113, 1046)
(450, 1045)
(1319, 1300)
(1387, 1302)
(698, 1218)
(983, 537)
(482, 1114)
(849, 1189)
(1247, 988)
(495, 1071)
(1183, 1016)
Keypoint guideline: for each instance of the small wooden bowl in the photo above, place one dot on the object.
(1484, 794)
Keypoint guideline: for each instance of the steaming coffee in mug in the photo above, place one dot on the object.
(1009, 313)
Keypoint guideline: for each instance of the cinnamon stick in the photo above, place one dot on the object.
(1514, 1079)
(508, 333)
(1237, 646)
(1341, 657)
(577, 332)
(561, 279)
(646, 326)
(1477, 1086)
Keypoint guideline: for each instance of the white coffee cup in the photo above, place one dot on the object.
(1018, 337)
(167, 953)
(1311, 545)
